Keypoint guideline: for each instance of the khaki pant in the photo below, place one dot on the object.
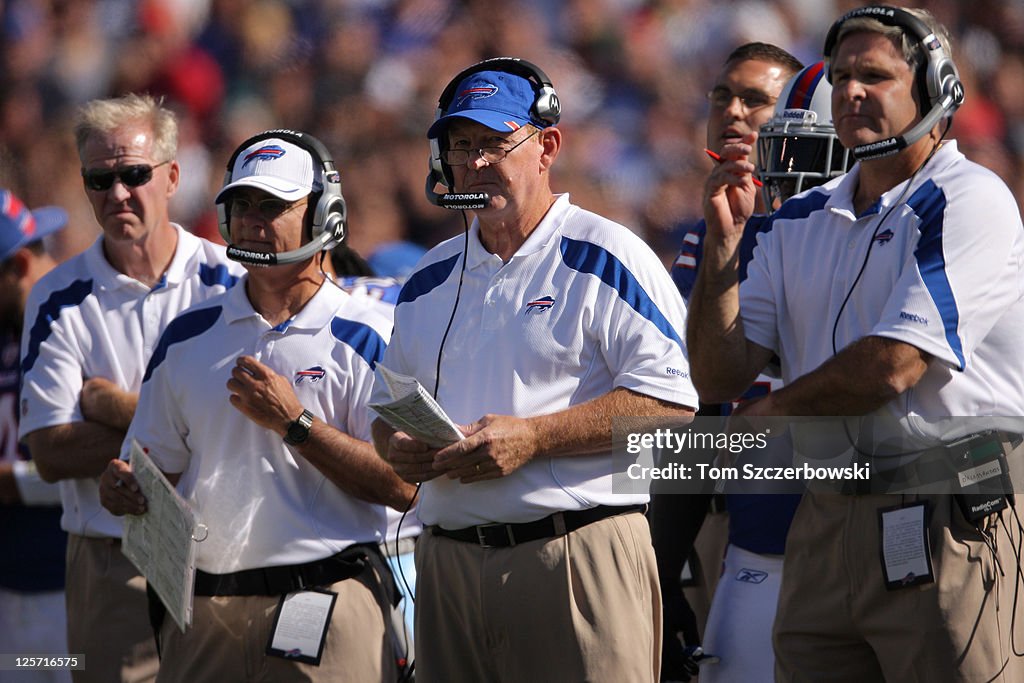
(581, 607)
(229, 635)
(108, 617)
(837, 622)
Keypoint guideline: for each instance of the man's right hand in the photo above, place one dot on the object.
(730, 194)
(119, 491)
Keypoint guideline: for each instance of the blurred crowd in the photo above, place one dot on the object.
(364, 76)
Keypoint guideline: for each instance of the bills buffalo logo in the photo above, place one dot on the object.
(313, 374)
(478, 93)
(883, 237)
(540, 305)
(265, 153)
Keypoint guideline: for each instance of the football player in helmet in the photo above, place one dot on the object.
(798, 149)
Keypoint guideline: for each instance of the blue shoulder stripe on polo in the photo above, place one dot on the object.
(216, 275)
(185, 326)
(363, 339)
(929, 205)
(591, 259)
(426, 279)
(802, 207)
(49, 312)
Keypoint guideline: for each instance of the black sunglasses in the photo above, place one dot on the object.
(131, 176)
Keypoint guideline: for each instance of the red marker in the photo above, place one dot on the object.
(718, 159)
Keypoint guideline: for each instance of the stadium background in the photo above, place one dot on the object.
(364, 76)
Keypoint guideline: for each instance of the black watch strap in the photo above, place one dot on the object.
(298, 430)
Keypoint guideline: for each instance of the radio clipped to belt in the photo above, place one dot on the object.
(983, 475)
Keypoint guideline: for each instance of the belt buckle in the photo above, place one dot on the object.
(481, 535)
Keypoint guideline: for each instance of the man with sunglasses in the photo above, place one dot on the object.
(267, 438)
(534, 329)
(90, 327)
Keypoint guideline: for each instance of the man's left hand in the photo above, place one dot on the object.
(262, 395)
(495, 446)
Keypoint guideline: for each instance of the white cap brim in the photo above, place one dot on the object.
(275, 186)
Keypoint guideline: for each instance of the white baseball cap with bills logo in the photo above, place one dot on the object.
(277, 166)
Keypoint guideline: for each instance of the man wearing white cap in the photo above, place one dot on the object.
(254, 404)
(32, 614)
(90, 326)
(534, 330)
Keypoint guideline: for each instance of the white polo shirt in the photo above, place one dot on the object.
(262, 504)
(945, 273)
(85, 319)
(583, 307)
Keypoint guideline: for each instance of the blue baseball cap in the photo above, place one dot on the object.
(20, 227)
(497, 99)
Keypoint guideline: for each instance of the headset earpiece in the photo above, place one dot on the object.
(937, 79)
(330, 215)
(547, 106)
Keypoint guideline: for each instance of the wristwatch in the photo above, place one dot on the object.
(298, 430)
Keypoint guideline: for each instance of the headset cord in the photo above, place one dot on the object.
(455, 306)
(1018, 576)
(437, 378)
(398, 536)
(860, 273)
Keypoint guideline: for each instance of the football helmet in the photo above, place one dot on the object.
(798, 147)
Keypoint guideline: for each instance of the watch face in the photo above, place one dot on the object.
(298, 431)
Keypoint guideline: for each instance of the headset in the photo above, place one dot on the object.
(545, 111)
(938, 80)
(330, 215)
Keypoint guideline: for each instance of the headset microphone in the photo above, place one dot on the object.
(882, 148)
(265, 258)
(457, 201)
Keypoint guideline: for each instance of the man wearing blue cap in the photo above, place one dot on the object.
(32, 616)
(534, 329)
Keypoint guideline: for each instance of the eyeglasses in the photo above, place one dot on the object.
(492, 155)
(269, 208)
(721, 97)
(102, 180)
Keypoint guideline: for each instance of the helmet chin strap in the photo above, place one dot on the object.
(263, 258)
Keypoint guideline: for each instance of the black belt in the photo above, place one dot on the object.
(557, 524)
(281, 580)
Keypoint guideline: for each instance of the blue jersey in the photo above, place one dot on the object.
(684, 269)
(758, 522)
